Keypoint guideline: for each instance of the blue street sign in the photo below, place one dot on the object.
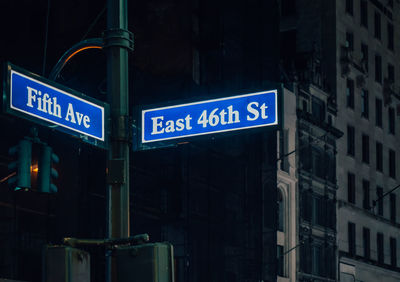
(211, 116)
(47, 101)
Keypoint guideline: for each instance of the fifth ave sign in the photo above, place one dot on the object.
(35, 97)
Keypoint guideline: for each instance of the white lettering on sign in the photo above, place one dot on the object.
(215, 117)
(46, 104)
(77, 117)
(170, 125)
(254, 111)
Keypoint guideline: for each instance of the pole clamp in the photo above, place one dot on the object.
(117, 37)
(121, 129)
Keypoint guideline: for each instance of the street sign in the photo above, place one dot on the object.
(212, 116)
(38, 99)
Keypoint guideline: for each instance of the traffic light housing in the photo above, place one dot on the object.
(146, 262)
(21, 167)
(47, 172)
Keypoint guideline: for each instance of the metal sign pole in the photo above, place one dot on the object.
(117, 43)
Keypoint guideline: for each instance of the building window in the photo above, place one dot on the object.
(392, 163)
(305, 256)
(390, 43)
(318, 109)
(317, 158)
(350, 140)
(366, 199)
(379, 244)
(352, 238)
(350, 41)
(364, 13)
(364, 56)
(379, 200)
(391, 120)
(366, 243)
(349, 7)
(378, 112)
(320, 207)
(330, 166)
(351, 188)
(377, 25)
(364, 103)
(288, 7)
(393, 207)
(391, 73)
(317, 262)
(379, 157)
(378, 68)
(365, 148)
(283, 149)
(317, 258)
(318, 210)
(280, 211)
(350, 93)
(280, 258)
(393, 252)
(304, 105)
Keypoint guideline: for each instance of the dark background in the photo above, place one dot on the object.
(208, 197)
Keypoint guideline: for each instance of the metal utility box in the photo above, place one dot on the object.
(145, 263)
(66, 264)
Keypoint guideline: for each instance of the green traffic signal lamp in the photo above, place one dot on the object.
(46, 171)
(20, 168)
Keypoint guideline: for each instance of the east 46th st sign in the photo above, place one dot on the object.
(211, 116)
(30, 95)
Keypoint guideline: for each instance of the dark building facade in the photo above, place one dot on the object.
(213, 198)
(306, 32)
(345, 51)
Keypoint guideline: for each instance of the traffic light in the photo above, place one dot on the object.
(46, 170)
(21, 167)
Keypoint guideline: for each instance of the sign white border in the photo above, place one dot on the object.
(275, 91)
(63, 92)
